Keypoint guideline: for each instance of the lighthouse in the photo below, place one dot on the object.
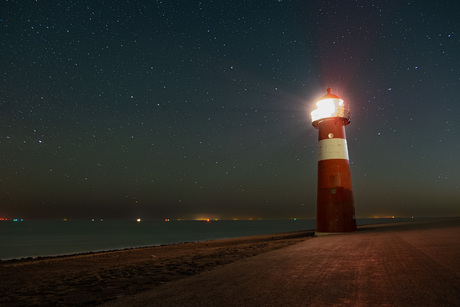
(335, 211)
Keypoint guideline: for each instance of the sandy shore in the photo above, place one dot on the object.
(403, 264)
(92, 279)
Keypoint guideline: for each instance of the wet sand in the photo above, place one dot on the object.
(92, 279)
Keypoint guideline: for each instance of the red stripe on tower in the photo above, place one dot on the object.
(335, 205)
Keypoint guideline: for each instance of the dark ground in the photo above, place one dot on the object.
(410, 264)
(92, 279)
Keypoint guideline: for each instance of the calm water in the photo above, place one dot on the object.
(50, 238)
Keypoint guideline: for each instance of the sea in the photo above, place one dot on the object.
(32, 239)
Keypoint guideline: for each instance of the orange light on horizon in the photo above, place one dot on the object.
(206, 219)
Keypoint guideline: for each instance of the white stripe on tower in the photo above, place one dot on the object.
(332, 149)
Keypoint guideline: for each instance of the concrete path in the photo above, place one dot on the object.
(415, 264)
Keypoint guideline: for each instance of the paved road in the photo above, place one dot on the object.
(415, 264)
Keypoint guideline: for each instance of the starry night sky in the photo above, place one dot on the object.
(187, 109)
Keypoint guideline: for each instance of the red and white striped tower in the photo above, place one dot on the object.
(335, 205)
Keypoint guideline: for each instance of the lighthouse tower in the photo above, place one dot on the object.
(335, 206)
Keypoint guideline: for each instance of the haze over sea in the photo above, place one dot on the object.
(52, 238)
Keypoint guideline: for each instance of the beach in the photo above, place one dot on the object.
(92, 279)
(405, 264)
(397, 264)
